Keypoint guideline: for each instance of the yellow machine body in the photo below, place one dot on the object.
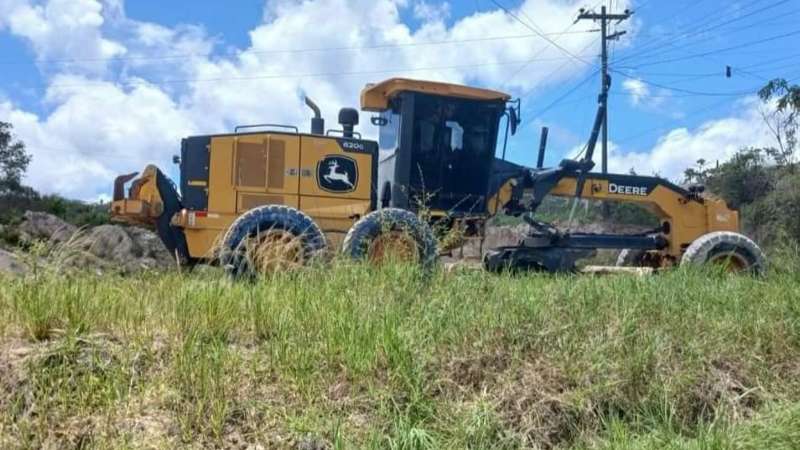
(334, 180)
(248, 171)
(686, 219)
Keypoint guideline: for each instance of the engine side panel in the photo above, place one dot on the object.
(331, 179)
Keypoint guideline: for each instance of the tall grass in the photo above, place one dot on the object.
(350, 356)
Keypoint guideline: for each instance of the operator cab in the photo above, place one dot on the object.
(437, 143)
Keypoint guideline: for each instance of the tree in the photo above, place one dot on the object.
(743, 179)
(14, 161)
(783, 120)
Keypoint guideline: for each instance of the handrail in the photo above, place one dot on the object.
(356, 134)
(260, 125)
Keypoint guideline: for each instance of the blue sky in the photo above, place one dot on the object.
(99, 87)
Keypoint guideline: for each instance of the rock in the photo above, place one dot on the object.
(312, 443)
(10, 264)
(40, 225)
(106, 248)
(129, 249)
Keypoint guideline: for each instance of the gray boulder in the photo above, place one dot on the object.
(129, 249)
(105, 248)
(10, 264)
(40, 225)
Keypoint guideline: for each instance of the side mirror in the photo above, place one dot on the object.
(176, 159)
(378, 121)
(513, 120)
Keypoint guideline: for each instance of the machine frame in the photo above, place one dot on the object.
(288, 168)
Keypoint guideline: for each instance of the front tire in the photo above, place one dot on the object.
(391, 234)
(732, 251)
(269, 239)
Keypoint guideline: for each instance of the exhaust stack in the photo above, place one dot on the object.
(317, 122)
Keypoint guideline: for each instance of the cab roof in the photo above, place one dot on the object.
(376, 97)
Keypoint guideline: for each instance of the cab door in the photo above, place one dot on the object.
(265, 170)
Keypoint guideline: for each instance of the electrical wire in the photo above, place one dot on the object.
(681, 32)
(552, 42)
(290, 51)
(565, 95)
(693, 113)
(290, 76)
(688, 91)
(518, 71)
(713, 52)
(669, 41)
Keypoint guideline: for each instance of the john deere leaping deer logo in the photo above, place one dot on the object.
(337, 174)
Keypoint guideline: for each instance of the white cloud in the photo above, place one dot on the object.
(641, 95)
(428, 12)
(96, 128)
(114, 115)
(62, 29)
(97, 131)
(637, 90)
(714, 140)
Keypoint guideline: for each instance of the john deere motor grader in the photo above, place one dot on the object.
(267, 193)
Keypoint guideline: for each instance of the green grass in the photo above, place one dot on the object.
(353, 357)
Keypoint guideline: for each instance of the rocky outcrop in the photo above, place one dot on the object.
(106, 248)
(10, 264)
(44, 226)
(129, 248)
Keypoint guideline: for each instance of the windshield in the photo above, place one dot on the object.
(453, 146)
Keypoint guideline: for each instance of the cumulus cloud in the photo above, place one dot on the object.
(714, 140)
(637, 89)
(61, 29)
(134, 88)
(429, 12)
(641, 95)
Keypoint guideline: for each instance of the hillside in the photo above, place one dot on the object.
(351, 357)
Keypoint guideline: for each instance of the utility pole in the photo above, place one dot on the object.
(605, 79)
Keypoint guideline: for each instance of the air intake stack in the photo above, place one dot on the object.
(348, 119)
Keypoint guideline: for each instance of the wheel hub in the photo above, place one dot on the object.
(394, 246)
(275, 250)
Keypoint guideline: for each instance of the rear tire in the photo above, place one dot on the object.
(380, 233)
(270, 238)
(735, 252)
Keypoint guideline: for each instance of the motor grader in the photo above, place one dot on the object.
(270, 192)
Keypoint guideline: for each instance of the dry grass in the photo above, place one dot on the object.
(353, 357)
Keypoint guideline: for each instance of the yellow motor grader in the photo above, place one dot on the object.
(270, 192)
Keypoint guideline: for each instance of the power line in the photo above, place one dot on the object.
(292, 76)
(713, 52)
(552, 42)
(668, 40)
(565, 95)
(682, 32)
(648, 131)
(688, 91)
(693, 113)
(518, 71)
(297, 50)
